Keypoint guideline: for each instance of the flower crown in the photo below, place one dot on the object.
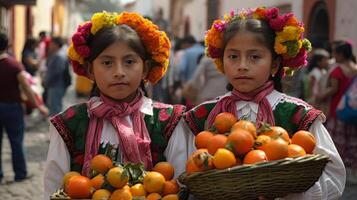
(289, 40)
(156, 43)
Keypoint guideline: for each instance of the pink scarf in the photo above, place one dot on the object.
(134, 140)
(228, 104)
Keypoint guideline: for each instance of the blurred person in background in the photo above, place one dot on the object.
(43, 46)
(206, 84)
(189, 62)
(317, 68)
(343, 134)
(54, 81)
(12, 77)
(30, 58)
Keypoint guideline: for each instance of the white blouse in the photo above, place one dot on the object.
(180, 146)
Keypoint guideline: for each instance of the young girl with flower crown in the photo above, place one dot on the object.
(254, 49)
(119, 52)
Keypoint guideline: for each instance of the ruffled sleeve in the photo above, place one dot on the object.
(332, 181)
(180, 147)
(57, 164)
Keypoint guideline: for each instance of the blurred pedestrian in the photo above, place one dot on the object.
(317, 68)
(206, 84)
(30, 58)
(13, 76)
(343, 134)
(57, 63)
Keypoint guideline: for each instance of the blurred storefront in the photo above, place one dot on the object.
(17, 21)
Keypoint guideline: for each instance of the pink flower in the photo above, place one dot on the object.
(299, 60)
(271, 13)
(78, 68)
(214, 52)
(221, 26)
(78, 39)
(279, 22)
(163, 116)
(70, 113)
(83, 50)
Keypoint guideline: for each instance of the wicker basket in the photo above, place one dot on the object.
(270, 179)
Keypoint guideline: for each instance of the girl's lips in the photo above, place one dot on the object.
(118, 84)
(242, 78)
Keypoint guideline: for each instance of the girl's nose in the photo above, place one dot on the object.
(242, 65)
(119, 72)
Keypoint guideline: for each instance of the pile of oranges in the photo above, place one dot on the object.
(233, 142)
(113, 182)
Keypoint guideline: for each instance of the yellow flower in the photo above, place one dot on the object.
(73, 55)
(102, 19)
(219, 65)
(279, 47)
(290, 33)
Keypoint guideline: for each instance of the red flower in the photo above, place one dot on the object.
(78, 39)
(78, 68)
(82, 50)
(201, 112)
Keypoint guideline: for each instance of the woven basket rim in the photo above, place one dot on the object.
(246, 167)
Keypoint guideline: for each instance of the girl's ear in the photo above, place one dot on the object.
(147, 67)
(275, 66)
(90, 71)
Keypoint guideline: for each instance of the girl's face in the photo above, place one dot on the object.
(323, 63)
(338, 56)
(247, 62)
(118, 71)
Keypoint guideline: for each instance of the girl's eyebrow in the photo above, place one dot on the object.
(111, 56)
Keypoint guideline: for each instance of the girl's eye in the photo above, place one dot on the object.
(129, 61)
(255, 57)
(107, 62)
(233, 57)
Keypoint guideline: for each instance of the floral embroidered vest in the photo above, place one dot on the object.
(72, 126)
(290, 113)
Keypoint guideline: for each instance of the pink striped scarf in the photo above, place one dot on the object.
(228, 104)
(134, 140)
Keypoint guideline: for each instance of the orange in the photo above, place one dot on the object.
(216, 142)
(305, 139)
(101, 194)
(223, 159)
(255, 156)
(296, 151)
(138, 190)
(166, 169)
(240, 141)
(97, 181)
(202, 138)
(261, 140)
(67, 176)
(170, 187)
(224, 122)
(191, 166)
(154, 196)
(154, 182)
(245, 125)
(101, 163)
(116, 178)
(202, 159)
(121, 194)
(79, 187)
(276, 149)
(170, 197)
(276, 132)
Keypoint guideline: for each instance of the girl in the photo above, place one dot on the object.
(119, 53)
(317, 69)
(339, 80)
(254, 49)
